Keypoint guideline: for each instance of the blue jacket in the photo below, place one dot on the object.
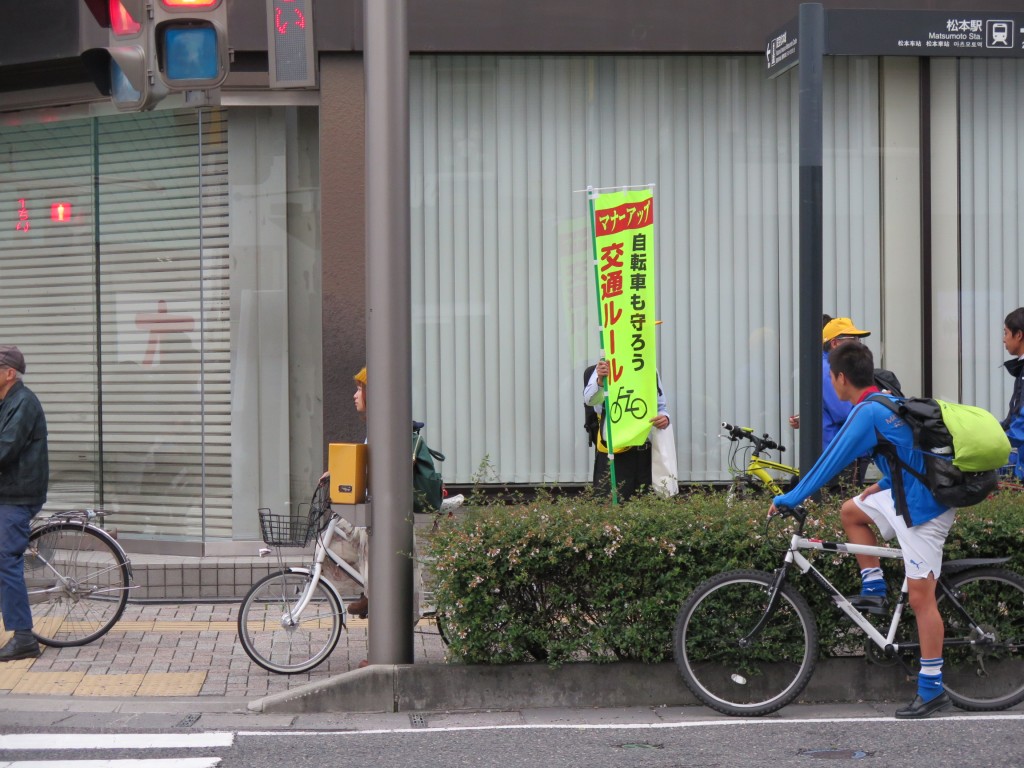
(869, 425)
(833, 410)
(1014, 421)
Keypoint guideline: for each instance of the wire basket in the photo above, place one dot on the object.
(299, 528)
(294, 530)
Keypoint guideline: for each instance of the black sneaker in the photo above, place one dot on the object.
(20, 649)
(873, 604)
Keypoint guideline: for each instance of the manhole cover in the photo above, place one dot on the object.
(418, 721)
(836, 754)
(188, 720)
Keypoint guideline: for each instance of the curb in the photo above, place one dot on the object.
(454, 687)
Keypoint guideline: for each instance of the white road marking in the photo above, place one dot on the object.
(47, 741)
(734, 722)
(190, 762)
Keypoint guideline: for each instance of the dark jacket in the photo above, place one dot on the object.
(24, 462)
(1015, 368)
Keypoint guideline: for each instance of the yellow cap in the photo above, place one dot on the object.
(841, 326)
(361, 377)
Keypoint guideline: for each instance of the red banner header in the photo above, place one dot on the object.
(626, 216)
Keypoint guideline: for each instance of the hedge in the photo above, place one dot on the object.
(572, 578)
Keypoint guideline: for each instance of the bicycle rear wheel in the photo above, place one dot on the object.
(760, 677)
(77, 579)
(277, 639)
(984, 672)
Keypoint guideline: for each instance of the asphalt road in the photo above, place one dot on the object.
(688, 737)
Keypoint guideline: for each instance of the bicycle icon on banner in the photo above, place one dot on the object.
(626, 403)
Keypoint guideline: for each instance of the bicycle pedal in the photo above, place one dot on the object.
(874, 604)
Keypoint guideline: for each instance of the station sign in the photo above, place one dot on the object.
(951, 34)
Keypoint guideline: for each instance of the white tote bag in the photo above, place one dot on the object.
(664, 472)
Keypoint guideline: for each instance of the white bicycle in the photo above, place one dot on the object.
(291, 620)
(746, 642)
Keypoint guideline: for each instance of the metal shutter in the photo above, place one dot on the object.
(124, 314)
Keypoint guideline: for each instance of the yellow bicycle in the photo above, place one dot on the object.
(752, 473)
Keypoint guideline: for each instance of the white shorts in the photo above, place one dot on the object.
(921, 544)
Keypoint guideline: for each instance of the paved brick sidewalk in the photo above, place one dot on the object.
(181, 650)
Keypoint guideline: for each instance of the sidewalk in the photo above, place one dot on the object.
(183, 650)
(168, 666)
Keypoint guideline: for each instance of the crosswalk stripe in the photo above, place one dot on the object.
(48, 741)
(189, 762)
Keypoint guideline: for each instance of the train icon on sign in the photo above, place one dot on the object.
(999, 34)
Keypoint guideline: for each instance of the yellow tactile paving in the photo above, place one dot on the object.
(12, 672)
(174, 626)
(172, 684)
(49, 627)
(109, 685)
(266, 626)
(56, 683)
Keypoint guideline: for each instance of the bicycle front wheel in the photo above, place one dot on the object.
(727, 669)
(984, 669)
(77, 579)
(743, 488)
(281, 640)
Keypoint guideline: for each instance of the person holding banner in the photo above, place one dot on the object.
(625, 388)
(632, 464)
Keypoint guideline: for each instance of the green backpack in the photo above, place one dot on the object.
(963, 446)
(427, 486)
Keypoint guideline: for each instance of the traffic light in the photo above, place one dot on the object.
(156, 47)
(190, 43)
(122, 69)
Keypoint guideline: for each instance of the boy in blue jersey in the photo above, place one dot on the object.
(908, 511)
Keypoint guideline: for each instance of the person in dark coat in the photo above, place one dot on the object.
(24, 478)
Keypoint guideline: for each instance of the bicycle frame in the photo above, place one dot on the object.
(82, 517)
(759, 467)
(794, 557)
(321, 552)
(885, 642)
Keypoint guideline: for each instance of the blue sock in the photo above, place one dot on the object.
(929, 679)
(872, 582)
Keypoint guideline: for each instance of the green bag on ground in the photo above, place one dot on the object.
(427, 486)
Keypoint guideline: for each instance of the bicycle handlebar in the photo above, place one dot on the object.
(798, 513)
(763, 443)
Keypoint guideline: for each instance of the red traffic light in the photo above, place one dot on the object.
(60, 212)
(121, 21)
(120, 16)
(186, 5)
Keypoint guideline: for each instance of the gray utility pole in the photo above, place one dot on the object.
(388, 331)
(812, 52)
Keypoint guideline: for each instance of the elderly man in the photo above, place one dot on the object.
(24, 476)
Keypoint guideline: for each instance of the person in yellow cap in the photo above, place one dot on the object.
(836, 331)
(352, 544)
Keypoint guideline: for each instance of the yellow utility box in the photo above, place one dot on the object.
(347, 464)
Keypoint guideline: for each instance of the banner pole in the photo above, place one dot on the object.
(592, 195)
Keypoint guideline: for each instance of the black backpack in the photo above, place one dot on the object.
(887, 381)
(590, 421)
(979, 446)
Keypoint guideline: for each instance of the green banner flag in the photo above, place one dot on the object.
(623, 230)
